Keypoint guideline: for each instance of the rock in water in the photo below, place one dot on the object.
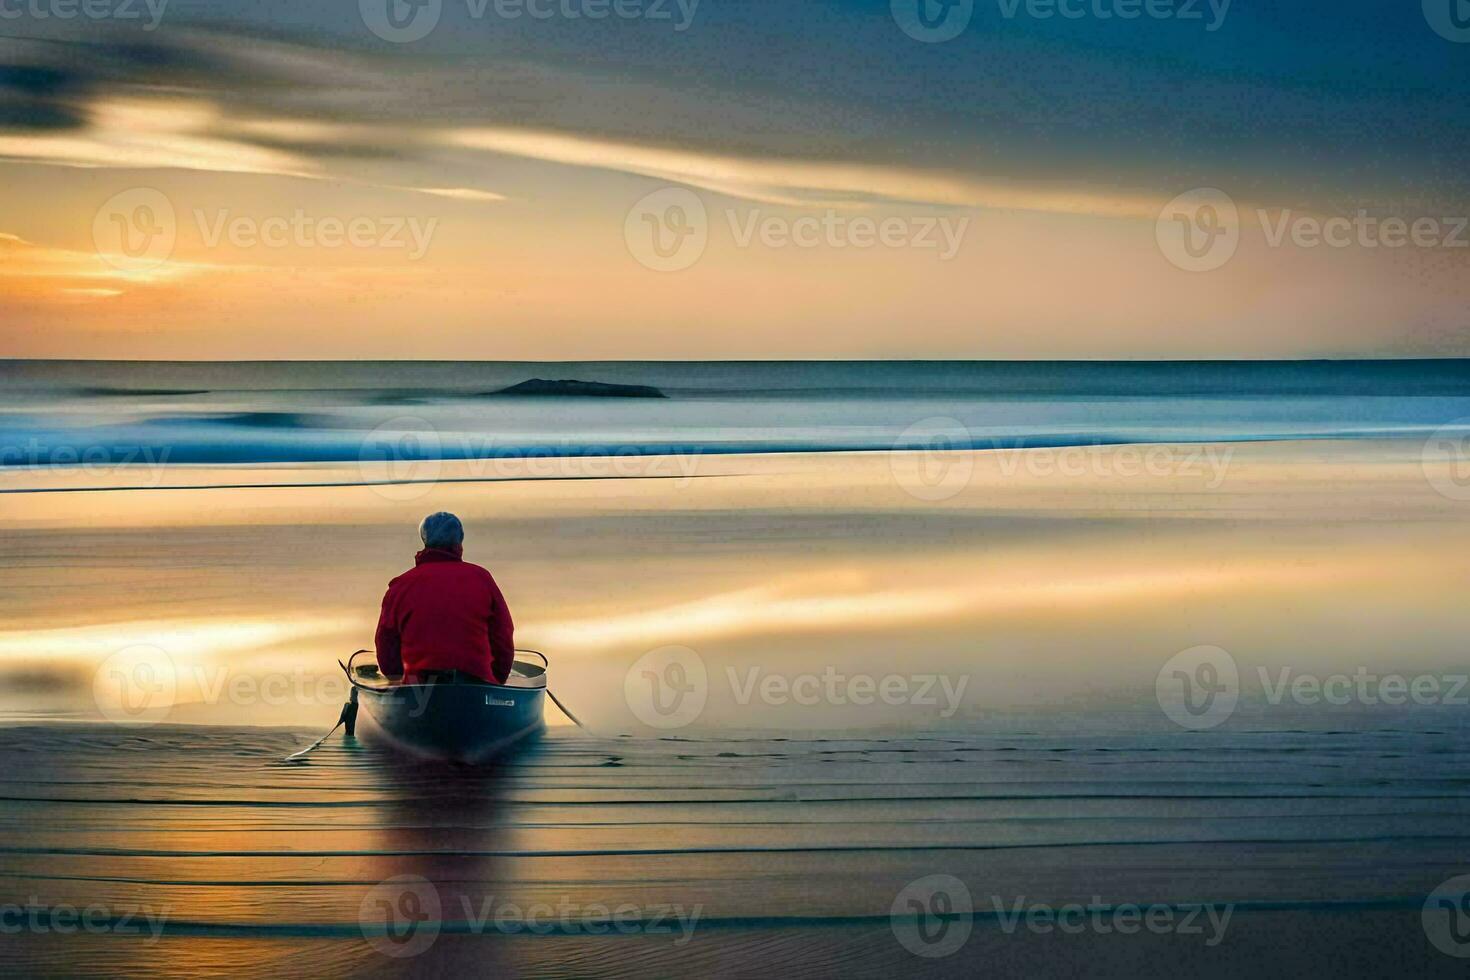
(586, 389)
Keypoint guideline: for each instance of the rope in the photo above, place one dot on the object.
(557, 701)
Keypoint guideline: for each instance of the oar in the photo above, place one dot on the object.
(297, 755)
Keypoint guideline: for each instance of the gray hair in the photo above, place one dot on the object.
(441, 530)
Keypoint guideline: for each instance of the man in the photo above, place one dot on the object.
(445, 614)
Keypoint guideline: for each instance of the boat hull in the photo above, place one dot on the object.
(456, 722)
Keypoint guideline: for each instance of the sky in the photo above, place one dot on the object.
(592, 179)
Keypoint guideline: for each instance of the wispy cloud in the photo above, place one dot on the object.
(460, 193)
(799, 182)
(147, 133)
(194, 134)
(69, 269)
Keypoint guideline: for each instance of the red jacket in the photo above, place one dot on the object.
(445, 614)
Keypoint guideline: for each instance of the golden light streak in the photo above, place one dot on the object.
(195, 639)
(843, 601)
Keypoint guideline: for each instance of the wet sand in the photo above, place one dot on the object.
(587, 856)
(1058, 596)
(788, 834)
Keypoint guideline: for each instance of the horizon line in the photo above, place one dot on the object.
(1349, 359)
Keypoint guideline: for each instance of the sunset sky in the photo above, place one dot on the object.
(495, 174)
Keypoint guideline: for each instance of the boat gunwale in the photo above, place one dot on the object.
(537, 682)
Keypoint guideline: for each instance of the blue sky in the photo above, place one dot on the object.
(1027, 111)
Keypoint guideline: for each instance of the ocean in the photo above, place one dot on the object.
(59, 413)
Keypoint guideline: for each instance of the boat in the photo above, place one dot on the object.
(450, 718)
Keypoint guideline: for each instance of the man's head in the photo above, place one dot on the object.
(442, 530)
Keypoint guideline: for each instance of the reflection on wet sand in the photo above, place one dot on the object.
(438, 853)
(1048, 590)
(630, 857)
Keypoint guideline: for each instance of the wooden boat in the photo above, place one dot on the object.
(446, 718)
